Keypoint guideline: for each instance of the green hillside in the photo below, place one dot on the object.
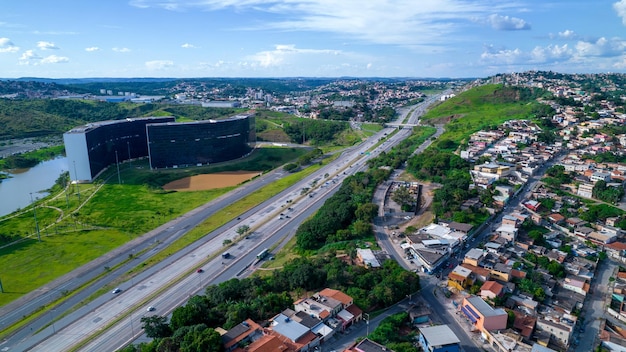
(484, 107)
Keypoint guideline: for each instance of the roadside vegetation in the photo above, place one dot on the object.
(322, 256)
(30, 159)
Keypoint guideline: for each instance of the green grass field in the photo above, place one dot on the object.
(114, 215)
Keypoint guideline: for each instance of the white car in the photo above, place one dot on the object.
(151, 309)
(116, 290)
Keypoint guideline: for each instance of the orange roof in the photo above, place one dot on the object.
(492, 286)
(336, 294)
(354, 310)
(477, 270)
(268, 343)
(518, 273)
(324, 314)
(618, 246)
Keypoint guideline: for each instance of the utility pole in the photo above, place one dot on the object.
(117, 162)
(76, 182)
(129, 157)
(303, 135)
(35, 216)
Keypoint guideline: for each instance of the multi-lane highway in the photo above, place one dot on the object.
(114, 319)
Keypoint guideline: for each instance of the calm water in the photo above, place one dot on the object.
(15, 191)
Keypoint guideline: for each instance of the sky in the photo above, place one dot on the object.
(309, 38)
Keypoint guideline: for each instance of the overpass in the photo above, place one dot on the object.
(399, 125)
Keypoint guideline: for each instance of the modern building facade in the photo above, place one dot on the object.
(198, 143)
(93, 147)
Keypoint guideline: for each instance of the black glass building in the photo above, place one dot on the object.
(200, 142)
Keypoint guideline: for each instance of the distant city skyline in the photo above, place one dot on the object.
(309, 38)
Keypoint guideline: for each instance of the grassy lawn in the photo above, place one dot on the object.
(115, 215)
(31, 264)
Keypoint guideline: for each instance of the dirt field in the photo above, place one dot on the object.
(210, 181)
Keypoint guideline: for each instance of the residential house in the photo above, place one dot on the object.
(483, 316)
(243, 332)
(491, 290)
(479, 273)
(524, 324)
(365, 257)
(559, 332)
(439, 339)
(460, 278)
(501, 271)
(367, 345)
(576, 284)
(474, 256)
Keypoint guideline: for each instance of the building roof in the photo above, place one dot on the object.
(492, 286)
(475, 253)
(440, 335)
(336, 294)
(367, 345)
(288, 327)
(458, 226)
(482, 307)
(460, 273)
(368, 257)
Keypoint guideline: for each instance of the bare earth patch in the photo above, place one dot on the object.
(210, 181)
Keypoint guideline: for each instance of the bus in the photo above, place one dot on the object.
(263, 254)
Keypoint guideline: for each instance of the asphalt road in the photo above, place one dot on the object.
(111, 312)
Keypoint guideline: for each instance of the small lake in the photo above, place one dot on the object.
(15, 191)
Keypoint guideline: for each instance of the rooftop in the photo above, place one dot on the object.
(440, 335)
(482, 306)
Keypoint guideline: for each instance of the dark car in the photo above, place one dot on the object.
(199, 271)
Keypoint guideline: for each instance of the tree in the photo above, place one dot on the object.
(366, 212)
(156, 326)
(243, 229)
(403, 197)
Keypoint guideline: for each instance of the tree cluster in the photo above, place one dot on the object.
(387, 333)
(607, 194)
(314, 131)
(343, 216)
(231, 302)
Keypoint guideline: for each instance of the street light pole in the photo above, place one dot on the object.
(367, 322)
(117, 162)
(76, 181)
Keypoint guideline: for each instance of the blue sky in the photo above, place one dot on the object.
(312, 38)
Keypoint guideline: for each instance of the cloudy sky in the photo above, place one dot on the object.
(313, 38)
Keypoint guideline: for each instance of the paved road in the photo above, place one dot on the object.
(593, 308)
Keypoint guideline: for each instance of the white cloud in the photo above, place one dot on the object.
(92, 49)
(551, 53)
(47, 46)
(188, 46)
(285, 52)
(121, 50)
(568, 34)
(53, 59)
(397, 22)
(538, 55)
(601, 48)
(159, 64)
(620, 64)
(29, 57)
(620, 8)
(506, 23)
(7, 46)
